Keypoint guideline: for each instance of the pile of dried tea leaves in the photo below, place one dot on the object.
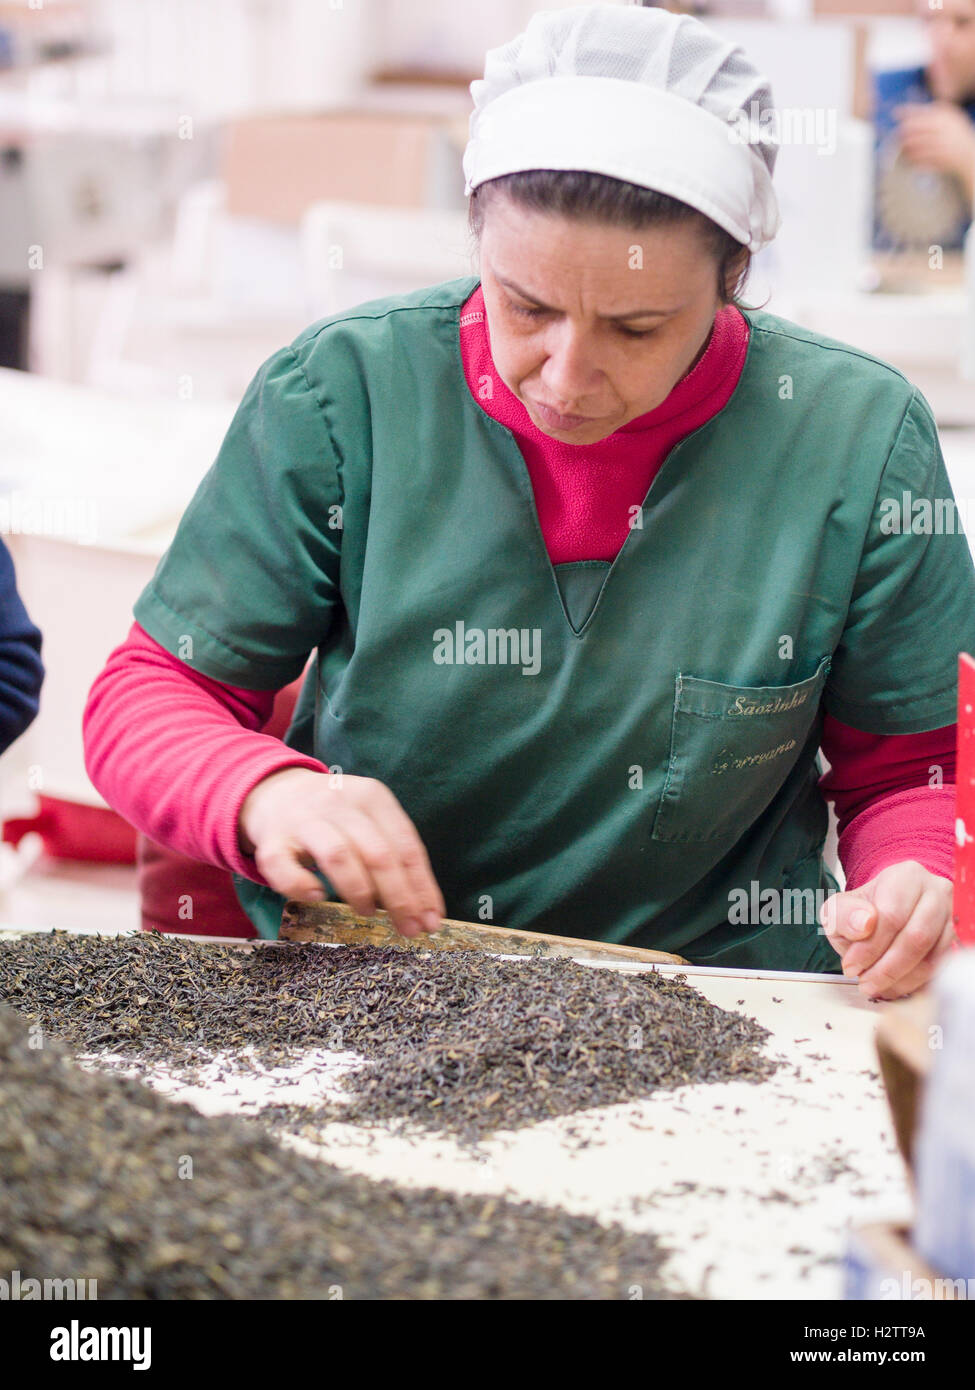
(459, 1041)
(102, 1179)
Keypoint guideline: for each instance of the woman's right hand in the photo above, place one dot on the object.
(355, 831)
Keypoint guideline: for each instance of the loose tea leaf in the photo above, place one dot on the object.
(458, 1041)
(102, 1179)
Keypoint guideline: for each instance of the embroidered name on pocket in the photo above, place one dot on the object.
(726, 761)
(745, 706)
(732, 748)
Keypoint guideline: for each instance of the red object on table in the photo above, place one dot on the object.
(71, 830)
(964, 908)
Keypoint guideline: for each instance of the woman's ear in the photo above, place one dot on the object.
(734, 269)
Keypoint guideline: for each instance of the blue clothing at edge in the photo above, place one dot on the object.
(21, 672)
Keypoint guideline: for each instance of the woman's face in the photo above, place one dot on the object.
(592, 325)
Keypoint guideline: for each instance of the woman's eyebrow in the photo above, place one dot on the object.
(612, 318)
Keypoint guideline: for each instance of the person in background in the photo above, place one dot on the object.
(926, 116)
(21, 672)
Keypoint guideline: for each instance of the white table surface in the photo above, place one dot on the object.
(751, 1187)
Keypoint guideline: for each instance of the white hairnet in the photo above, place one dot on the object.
(643, 95)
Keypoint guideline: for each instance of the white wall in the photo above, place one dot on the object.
(224, 57)
(456, 33)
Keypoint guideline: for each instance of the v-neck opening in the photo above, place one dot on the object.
(579, 599)
(524, 476)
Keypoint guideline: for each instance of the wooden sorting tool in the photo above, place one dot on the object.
(337, 923)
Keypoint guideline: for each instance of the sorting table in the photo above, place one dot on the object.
(751, 1188)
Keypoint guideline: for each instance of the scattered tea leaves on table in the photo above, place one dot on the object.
(102, 1179)
(456, 1040)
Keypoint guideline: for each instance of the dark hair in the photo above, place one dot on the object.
(597, 197)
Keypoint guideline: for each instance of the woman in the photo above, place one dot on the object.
(592, 561)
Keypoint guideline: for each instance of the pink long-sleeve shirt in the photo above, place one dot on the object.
(176, 752)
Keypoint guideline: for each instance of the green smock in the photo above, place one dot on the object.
(616, 751)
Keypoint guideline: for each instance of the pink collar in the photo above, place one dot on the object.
(723, 359)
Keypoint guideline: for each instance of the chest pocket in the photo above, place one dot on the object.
(732, 747)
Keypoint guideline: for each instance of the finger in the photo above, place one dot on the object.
(279, 863)
(921, 974)
(916, 979)
(382, 863)
(918, 938)
(922, 113)
(921, 151)
(411, 854)
(917, 118)
(896, 895)
(419, 873)
(347, 855)
(916, 151)
(846, 919)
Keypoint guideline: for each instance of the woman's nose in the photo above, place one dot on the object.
(571, 370)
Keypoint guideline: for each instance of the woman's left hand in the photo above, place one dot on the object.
(891, 931)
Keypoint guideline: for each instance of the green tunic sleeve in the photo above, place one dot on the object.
(251, 581)
(912, 610)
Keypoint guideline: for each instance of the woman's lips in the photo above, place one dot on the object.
(561, 422)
